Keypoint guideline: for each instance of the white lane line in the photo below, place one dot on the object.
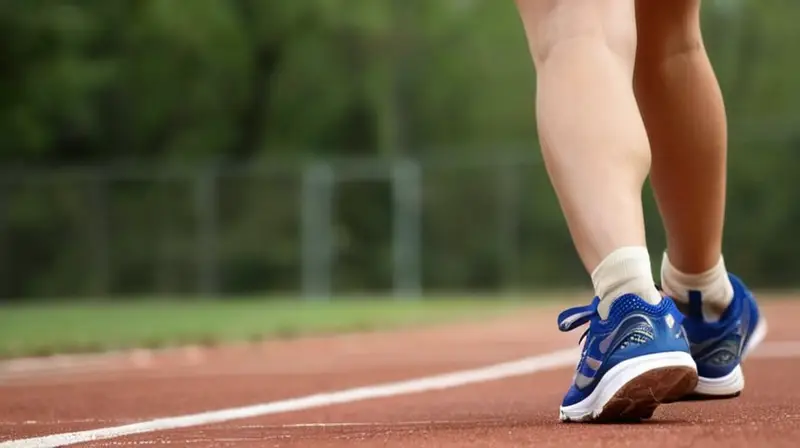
(63, 422)
(549, 361)
(525, 366)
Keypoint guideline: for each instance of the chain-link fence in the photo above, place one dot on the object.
(345, 227)
(488, 224)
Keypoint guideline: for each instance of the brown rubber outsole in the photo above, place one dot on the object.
(638, 399)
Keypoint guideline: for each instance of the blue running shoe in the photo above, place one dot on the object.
(631, 362)
(719, 347)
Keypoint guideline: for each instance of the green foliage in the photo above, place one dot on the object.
(176, 84)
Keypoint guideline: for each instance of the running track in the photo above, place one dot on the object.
(268, 395)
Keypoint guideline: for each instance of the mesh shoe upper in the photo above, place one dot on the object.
(633, 328)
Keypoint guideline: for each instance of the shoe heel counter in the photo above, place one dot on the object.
(719, 360)
(648, 334)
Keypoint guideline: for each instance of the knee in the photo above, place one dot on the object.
(553, 24)
(668, 29)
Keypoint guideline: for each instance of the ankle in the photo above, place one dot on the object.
(627, 270)
(716, 291)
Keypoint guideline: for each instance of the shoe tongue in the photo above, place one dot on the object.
(695, 309)
(695, 306)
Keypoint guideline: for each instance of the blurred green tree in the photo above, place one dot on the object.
(203, 83)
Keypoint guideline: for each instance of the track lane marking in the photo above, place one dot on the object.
(533, 364)
(524, 366)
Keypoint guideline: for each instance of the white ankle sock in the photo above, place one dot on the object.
(627, 270)
(714, 286)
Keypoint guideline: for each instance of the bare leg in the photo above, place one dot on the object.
(593, 138)
(683, 110)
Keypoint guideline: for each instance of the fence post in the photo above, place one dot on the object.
(508, 225)
(101, 281)
(319, 183)
(206, 199)
(407, 229)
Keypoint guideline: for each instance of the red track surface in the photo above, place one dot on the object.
(518, 411)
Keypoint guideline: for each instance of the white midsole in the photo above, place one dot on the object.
(729, 384)
(618, 376)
